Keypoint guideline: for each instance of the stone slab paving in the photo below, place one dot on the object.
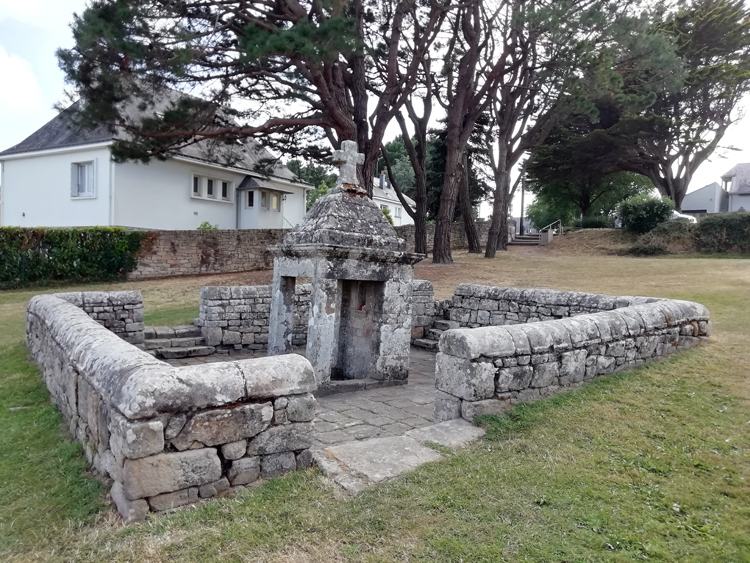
(364, 437)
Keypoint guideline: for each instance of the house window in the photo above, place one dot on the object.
(251, 198)
(209, 188)
(397, 212)
(275, 202)
(82, 179)
(264, 200)
(384, 207)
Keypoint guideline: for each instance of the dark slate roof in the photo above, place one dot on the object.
(250, 155)
(346, 218)
(57, 134)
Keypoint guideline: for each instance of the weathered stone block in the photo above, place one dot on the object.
(463, 378)
(234, 450)
(164, 473)
(446, 406)
(573, 366)
(275, 376)
(168, 501)
(470, 410)
(290, 437)
(301, 408)
(135, 439)
(304, 460)
(244, 471)
(545, 374)
(274, 465)
(513, 378)
(132, 511)
(221, 426)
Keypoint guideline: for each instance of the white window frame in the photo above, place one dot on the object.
(83, 180)
(248, 205)
(217, 188)
(397, 212)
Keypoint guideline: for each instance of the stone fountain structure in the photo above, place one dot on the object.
(361, 276)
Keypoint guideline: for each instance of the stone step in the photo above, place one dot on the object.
(441, 324)
(157, 343)
(186, 342)
(524, 243)
(185, 352)
(425, 343)
(161, 332)
(434, 334)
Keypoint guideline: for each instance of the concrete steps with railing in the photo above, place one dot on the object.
(526, 240)
(175, 342)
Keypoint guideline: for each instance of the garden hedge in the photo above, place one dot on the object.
(37, 256)
(723, 233)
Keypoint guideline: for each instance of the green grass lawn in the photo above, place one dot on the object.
(652, 464)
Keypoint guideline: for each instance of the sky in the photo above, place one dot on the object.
(31, 82)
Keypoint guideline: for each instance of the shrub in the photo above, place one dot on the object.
(641, 213)
(647, 249)
(81, 254)
(723, 233)
(387, 213)
(206, 226)
(594, 222)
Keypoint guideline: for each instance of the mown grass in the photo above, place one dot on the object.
(653, 464)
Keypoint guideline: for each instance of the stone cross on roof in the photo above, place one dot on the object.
(348, 158)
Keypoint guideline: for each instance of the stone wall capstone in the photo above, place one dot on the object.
(167, 436)
(485, 370)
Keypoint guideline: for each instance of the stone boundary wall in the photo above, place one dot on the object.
(120, 312)
(238, 316)
(485, 370)
(424, 308)
(184, 253)
(458, 234)
(167, 436)
(480, 305)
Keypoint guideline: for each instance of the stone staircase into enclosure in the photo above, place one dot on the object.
(432, 335)
(526, 240)
(174, 342)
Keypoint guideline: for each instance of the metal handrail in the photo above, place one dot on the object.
(562, 228)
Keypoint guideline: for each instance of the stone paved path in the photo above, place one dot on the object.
(364, 437)
(372, 413)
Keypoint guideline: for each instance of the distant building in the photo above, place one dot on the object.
(385, 196)
(737, 185)
(63, 176)
(708, 199)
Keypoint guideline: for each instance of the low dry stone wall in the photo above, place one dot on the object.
(120, 312)
(166, 436)
(480, 305)
(183, 253)
(423, 308)
(487, 369)
(238, 316)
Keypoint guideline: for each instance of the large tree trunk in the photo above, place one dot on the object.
(441, 249)
(498, 235)
(420, 220)
(464, 198)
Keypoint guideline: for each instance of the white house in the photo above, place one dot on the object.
(385, 196)
(737, 185)
(708, 199)
(64, 177)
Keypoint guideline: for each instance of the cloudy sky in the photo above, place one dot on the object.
(31, 31)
